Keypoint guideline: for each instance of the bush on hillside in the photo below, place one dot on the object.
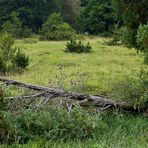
(142, 40)
(10, 56)
(55, 28)
(20, 60)
(77, 46)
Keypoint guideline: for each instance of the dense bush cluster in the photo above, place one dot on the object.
(77, 46)
(11, 58)
(56, 29)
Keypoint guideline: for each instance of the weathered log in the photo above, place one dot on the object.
(84, 99)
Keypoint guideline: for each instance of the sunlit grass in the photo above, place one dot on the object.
(101, 67)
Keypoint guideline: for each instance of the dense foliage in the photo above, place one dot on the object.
(10, 56)
(56, 29)
(77, 46)
(14, 27)
(132, 13)
(96, 17)
(33, 13)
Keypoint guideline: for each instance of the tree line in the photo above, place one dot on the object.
(125, 20)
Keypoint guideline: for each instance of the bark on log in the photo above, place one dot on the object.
(84, 99)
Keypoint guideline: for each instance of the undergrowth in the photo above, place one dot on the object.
(134, 90)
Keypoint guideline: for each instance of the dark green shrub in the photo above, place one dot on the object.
(142, 40)
(9, 55)
(20, 60)
(77, 46)
(55, 28)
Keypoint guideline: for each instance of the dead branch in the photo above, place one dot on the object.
(84, 99)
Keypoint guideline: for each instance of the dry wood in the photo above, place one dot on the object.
(84, 99)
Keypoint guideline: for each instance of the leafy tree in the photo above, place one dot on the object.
(133, 13)
(96, 17)
(33, 13)
(15, 28)
(69, 11)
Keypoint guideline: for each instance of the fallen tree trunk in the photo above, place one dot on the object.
(84, 99)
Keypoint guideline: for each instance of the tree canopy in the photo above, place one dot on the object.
(96, 16)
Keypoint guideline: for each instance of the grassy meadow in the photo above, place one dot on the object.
(94, 73)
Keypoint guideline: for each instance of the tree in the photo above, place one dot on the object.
(133, 13)
(14, 27)
(33, 13)
(96, 17)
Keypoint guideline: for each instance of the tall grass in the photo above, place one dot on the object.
(114, 129)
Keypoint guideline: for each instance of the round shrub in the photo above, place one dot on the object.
(77, 46)
(20, 60)
(55, 28)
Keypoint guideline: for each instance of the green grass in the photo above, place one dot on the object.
(116, 130)
(102, 67)
(94, 73)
